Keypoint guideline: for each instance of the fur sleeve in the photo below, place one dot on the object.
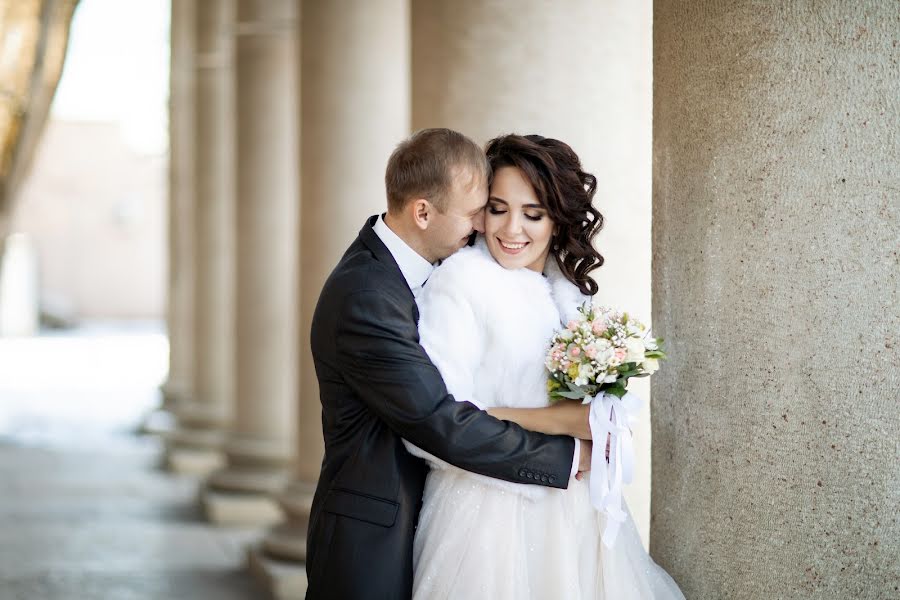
(452, 332)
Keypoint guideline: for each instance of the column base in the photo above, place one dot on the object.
(287, 541)
(159, 422)
(194, 416)
(285, 580)
(239, 509)
(193, 461)
(173, 394)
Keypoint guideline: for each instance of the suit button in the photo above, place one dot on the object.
(552, 479)
(521, 472)
(545, 479)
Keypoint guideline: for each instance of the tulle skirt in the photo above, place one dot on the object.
(478, 540)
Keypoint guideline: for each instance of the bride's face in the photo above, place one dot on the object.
(517, 227)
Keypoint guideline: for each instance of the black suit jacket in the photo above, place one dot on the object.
(377, 385)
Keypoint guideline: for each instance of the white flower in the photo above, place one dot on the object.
(651, 365)
(602, 345)
(606, 356)
(585, 371)
(635, 348)
(566, 335)
(611, 378)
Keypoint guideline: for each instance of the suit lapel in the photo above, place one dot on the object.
(371, 240)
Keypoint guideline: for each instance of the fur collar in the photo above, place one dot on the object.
(566, 295)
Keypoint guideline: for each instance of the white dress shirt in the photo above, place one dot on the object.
(416, 270)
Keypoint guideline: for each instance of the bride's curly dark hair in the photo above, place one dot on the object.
(566, 191)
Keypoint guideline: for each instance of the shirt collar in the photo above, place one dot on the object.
(414, 268)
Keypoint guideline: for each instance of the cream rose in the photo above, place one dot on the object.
(635, 348)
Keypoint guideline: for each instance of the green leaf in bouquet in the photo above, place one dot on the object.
(628, 369)
(575, 395)
(617, 389)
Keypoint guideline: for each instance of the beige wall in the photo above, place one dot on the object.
(96, 212)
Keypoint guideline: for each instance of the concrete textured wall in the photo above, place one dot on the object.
(776, 234)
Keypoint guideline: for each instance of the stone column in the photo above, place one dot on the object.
(260, 448)
(197, 444)
(177, 387)
(581, 75)
(776, 283)
(355, 109)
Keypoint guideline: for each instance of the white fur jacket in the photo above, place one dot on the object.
(487, 330)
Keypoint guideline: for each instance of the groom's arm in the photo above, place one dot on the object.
(383, 363)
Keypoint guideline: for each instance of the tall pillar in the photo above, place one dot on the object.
(355, 109)
(197, 444)
(776, 285)
(581, 75)
(261, 446)
(177, 388)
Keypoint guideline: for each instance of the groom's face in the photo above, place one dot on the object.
(463, 214)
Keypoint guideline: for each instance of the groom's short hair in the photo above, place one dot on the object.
(425, 164)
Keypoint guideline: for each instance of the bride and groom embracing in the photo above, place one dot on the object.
(446, 473)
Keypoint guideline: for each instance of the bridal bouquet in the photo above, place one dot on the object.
(598, 352)
(592, 360)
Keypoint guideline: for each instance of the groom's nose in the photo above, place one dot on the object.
(478, 222)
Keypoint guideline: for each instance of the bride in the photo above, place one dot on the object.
(486, 317)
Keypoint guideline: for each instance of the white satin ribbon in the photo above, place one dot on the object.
(612, 416)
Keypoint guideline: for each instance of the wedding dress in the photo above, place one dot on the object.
(487, 330)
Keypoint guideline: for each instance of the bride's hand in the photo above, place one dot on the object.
(573, 418)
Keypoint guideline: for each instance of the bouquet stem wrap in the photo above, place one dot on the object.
(613, 416)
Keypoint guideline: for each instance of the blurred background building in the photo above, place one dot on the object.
(169, 218)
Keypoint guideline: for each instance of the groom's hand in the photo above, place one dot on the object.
(584, 460)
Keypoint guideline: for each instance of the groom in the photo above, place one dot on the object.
(377, 385)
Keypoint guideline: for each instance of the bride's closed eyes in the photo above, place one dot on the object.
(500, 209)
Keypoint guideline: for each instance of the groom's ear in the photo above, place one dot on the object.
(421, 212)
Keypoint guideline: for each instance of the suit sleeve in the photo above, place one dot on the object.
(382, 362)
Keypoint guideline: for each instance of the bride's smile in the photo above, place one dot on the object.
(510, 247)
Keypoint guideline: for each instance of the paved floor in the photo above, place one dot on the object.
(85, 512)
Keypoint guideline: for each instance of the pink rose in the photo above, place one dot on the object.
(573, 325)
(591, 352)
(621, 353)
(575, 351)
(598, 326)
